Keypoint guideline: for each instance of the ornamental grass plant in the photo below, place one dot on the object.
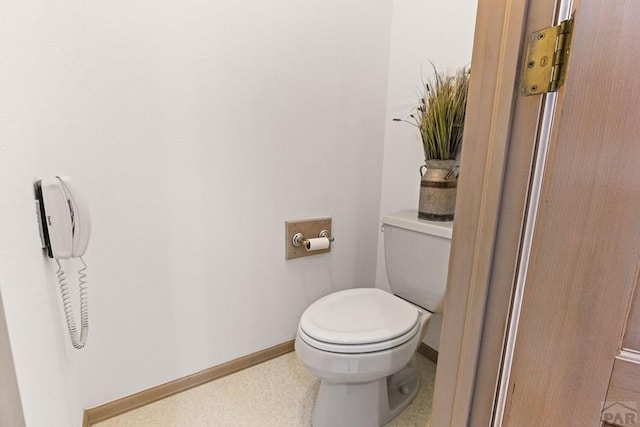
(440, 113)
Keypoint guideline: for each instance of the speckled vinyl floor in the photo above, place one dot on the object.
(277, 393)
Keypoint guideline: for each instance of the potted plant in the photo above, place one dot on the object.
(439, 117)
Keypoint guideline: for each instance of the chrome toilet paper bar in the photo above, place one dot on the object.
(323, 241)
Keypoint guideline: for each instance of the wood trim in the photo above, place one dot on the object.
(492, 89)
(629, 356)
(631, 338)
(428, 352)
(153, 394)
(11, 413)
(512, 214)
(625, 380)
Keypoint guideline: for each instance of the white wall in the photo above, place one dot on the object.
(195, 128)
(421, 31)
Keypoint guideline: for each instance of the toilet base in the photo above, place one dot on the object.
(371, 404)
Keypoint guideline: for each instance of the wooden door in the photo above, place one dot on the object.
(585, 247)
(622, 404)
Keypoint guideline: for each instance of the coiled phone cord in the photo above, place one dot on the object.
(68, 309)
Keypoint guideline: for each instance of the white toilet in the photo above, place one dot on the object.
(361, 342)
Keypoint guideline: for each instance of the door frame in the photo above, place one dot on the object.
(498, 152)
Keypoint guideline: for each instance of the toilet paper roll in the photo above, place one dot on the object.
(317, 244)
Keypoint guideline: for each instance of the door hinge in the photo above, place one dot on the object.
(547, 55)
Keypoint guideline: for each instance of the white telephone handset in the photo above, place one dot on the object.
(65, 226)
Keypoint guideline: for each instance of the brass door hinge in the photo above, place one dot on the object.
(547, 55)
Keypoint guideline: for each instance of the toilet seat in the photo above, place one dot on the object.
(360, 320)
(358, 348)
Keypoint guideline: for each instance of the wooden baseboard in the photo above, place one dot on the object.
(428, 352)
(153, 394)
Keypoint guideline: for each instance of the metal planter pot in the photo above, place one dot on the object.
(438, 190)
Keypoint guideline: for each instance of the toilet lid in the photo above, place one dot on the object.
(359, 316)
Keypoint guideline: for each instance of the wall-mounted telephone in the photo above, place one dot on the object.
(65, 229)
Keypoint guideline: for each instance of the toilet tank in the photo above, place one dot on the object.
(416, 254)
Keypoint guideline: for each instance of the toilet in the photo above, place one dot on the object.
(361, 342)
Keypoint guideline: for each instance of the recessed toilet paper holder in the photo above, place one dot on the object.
(299, 240)
(306, 237)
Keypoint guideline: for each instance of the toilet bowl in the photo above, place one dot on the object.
(361, 342)
(357, 382)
